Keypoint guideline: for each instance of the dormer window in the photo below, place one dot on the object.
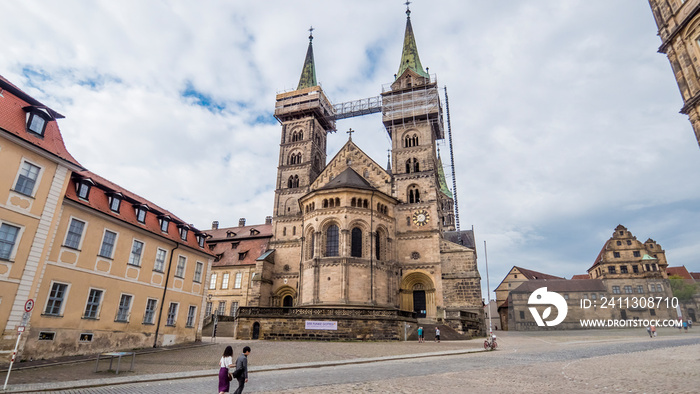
(36, 121)
(141, 213)
(254, 232)
(83, 188)
(241, 255)
(115, 201)
(200, 240)
(234, 245)
(183, 233)
(230, 234)
(164, 222)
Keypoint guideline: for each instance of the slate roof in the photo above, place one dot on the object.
(562, 286)
(13, 120)
(98, 199)
(241, 245)
(464, 238)
(348, 178)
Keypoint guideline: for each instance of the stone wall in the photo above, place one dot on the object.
(353, 325)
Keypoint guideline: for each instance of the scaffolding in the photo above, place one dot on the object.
(418, 103)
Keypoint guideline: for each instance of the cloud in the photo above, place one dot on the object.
(564, 117)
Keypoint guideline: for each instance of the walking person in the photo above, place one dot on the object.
(420, 334)
(685, 326)
(241, 373)
(437, 335)
(225, 363)
(653, 330)
(649, 331)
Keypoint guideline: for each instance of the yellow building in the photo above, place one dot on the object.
(106, 268)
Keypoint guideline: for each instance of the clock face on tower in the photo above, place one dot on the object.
(421, 217)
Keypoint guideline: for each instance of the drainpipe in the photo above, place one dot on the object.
(165, 289)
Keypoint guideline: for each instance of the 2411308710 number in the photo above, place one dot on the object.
(633, 302)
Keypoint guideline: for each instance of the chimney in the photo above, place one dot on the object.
(268, 219)
(241, 222)
(215, 225)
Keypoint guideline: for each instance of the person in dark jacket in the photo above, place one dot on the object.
(242, 370)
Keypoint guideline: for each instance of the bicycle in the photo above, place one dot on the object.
(491, 344)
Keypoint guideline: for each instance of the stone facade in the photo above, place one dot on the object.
(679, 30)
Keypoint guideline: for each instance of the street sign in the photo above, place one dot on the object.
(20, 329)
(29, 305)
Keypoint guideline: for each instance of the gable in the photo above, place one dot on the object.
(352, 156)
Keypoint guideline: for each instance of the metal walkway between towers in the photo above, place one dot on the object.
(359, 107)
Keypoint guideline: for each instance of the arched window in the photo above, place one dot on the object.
(356, 242)
(290, 182)
(364, 203)
(284, 231)
(325, 203)
(331, 202)
(295, 181)
(353, 202)
(414, 140)
(294, 230)
(413, 195)
(407, 142)
(408, 220)
(332, 241)
(378, 244)
(337, 202)
(416, 167)
(300, 136)
(408, 165)
(312, 244)
(299, 158)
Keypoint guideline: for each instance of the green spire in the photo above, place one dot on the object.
(409, 57)
(441, 178)
(308, 73)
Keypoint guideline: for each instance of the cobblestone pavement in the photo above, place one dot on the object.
(583, 361)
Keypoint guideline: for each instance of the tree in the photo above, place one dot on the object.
(682, 289)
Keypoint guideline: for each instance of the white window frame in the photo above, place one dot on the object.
(221, 308)
(164, 222)
(128, 310)
(224, 280)
(99, 304)
(131, 253)
(198, 270)
(79, 188)
(64, 299)
(15, 244)
(212, 281)
(238, 281)
(140, 212)
(234, 308)
(191, 314)
(114, 246)
(157, 263)
(153, 312)
(171, 322)
(180, 268)
(82, 233)
(37, 180)
(112, 199)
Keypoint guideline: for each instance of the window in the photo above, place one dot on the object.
(75, 233)
(8, 237)
(629, 242)
(159, 264)
(237, 281)
(114, 202)
(640, 289)
(56, 297)
(594, 296)
(28, 175)
(356, 243)
(200, 240)
(658, 287)
(616, 289)
(222, 308)
(36, 123)
(136, 250)
(198, 268)
(224, 281)
(566, 296)
(619, 243)
(652, 312)
(150, 313)
(413, 195)
(623, 269)
(92, 307)
(108, 240)
(183, 233)
(241, 255)
(635, 269)
(190, 316)
(522, 315)
(611, 269)
(585, 296)
(616, 255)
(141, 214)
(172, 314)
(180, 269)
(378, 245)
(212, 282)
(124, 308)
(164, 225)
(628, 289)
(636, 253)
(208, 310)
(652, 288)
(332, 241)
(234, 308)
(83, 189)
(312, 244)
(653, 267)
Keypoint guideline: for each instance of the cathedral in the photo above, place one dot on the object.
(358, 248)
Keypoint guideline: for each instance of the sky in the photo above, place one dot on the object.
(564, 116)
